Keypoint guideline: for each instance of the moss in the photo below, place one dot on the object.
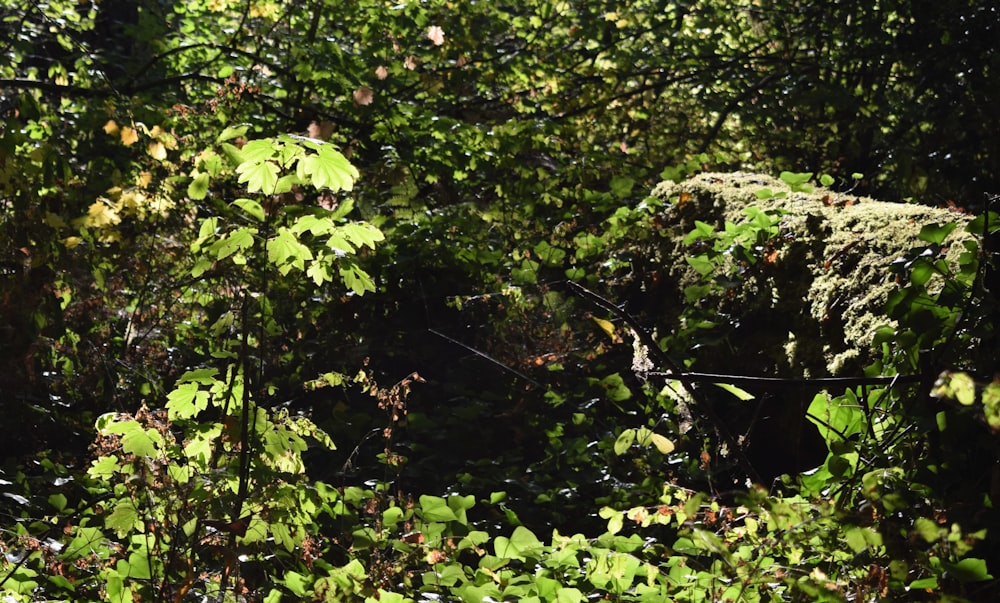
(814, 310)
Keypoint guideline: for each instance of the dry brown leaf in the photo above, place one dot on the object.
(363, 96)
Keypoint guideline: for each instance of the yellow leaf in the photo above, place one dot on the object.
(98, 215)
(71, 242)
(129, 136)
(144, 179)
(662, 444)
(111, 128)
(605, 325)
(157, 151)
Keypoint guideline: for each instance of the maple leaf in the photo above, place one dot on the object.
(435, 34)
(328, 168)
(363, 96)
(258, 176)
(129, 136)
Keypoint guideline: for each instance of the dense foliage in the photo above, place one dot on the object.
(329, 300)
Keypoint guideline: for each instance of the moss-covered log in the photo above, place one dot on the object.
(811, 307)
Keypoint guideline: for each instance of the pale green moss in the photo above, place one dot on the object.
(831, 277)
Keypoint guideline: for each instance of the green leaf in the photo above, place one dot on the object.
(135, 439)
(198, 189)
(798, 182)
(936, 233)
(924, 584)
(58, 501)
(252, 208)
(124, 519)
(232, 132)
(968, 570)
(522, 544)
(362, 233)
(435, 508)
(285, 251)
(740, 394)
(236, 242)
(624, 441)
(621, 186)
(615, 388)
(259, 177)
(328, 169)
(315, 225)
(299, 584)
(186, 401)
(104, 467)
(356, 279)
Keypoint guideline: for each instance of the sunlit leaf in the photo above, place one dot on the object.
(606, 325)
(252, 208)
(624, 441)
(198, 189)
(328, 169)
(740, 394)
(259, 177)
(124, 518)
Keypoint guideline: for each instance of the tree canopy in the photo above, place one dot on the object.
(445, 300)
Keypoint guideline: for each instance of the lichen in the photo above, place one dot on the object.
(832, 273)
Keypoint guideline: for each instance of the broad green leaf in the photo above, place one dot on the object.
(299, 584)
(58, 501)
(285, 250)
(139, 566)
(615, 388)
(124, 519)
(205, 376)
(252, 208)
(236, 242)
(259, 151)
(315, 225)
(232, 132)
(936, 233)
(328, 169)
(362, 233)
(435, 508)
(186, 401)
(356, 279)
(621, 186)
(198, 188)
(259, 177)
(135, 439)
(624, 441)
(569, 595)
(319, 272)
(522, 544)
(104, 467)
(969, 570)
